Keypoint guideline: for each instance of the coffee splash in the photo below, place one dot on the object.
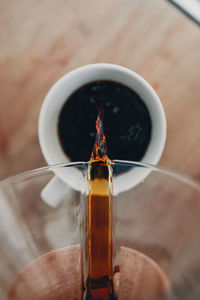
(99, 243)
(100, 148)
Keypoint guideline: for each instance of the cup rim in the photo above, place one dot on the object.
(149, 156)
(68, 76)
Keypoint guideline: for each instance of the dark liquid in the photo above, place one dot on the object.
(127, 123)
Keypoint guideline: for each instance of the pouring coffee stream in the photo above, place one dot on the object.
(100, 282)
(99, 248)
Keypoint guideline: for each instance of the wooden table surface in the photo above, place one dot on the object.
(42, 40)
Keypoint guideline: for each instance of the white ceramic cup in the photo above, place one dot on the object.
(51, 108)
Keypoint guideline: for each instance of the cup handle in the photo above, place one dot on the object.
(55, 192)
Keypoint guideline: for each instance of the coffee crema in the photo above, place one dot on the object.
(127, 123)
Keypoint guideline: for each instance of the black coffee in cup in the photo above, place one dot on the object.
(127, 123)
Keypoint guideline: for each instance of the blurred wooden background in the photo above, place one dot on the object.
(42, 40)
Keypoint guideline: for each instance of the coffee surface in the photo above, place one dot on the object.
(127, 123)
